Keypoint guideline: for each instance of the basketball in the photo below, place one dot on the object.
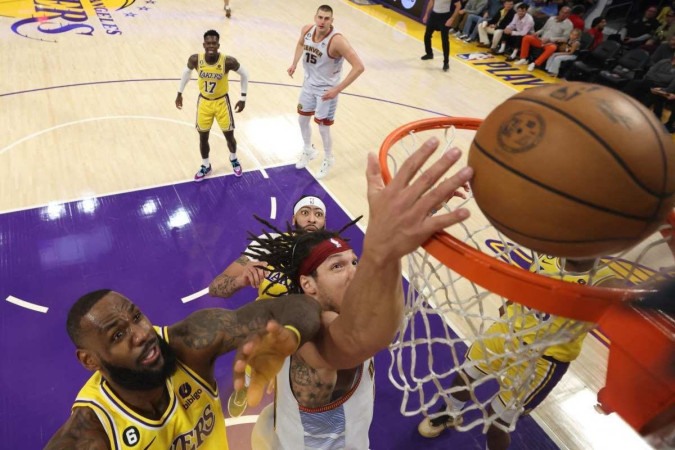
(573, 170)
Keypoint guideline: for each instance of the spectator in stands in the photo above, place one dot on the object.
(596, 30)
(662, 34)
(495, 26)
(565, 52)
(661, 96)
(663, 51)
(556, 31)
(577, 17)
(661, 74)
(542, 10)
(472, 8)
(641, 29)
(522, 25)
(493, 7)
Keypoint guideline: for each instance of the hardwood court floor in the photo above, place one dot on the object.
(87, 114)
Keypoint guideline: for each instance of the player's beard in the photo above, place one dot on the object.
(143, 379)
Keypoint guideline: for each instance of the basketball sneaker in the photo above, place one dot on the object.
(228, 12)
(202, 173)
(237, 403)
(431, 428)
(308, 154)
(236, 167)
(325, 167)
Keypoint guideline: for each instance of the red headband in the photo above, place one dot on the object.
(322, 251)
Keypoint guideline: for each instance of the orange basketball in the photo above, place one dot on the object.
(573, 170)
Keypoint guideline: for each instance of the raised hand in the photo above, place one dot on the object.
(400, 219)
(254, 273)
(265, 354)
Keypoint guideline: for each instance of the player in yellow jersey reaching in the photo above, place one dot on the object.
(156, 386)
(213, 70)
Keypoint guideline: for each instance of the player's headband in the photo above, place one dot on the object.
(309, 201)
(322, 251)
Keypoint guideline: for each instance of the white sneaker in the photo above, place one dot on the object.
(520, 62)
(530, 68)
(308, 154)
(325, 167)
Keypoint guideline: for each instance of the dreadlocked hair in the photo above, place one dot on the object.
(285, 251)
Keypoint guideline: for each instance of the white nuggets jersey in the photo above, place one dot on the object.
(320, 69)
(341, 424)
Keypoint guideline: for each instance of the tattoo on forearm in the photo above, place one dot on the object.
(224, 285)
(221, 327)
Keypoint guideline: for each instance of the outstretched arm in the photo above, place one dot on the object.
(204, 335)
(82, 431)
(399, 221)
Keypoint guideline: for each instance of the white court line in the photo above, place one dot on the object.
(273, 208)
(231, 421)
(25, 304)
(261, 168)
(194, 296)
(94, 119)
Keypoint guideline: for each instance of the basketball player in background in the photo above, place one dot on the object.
(323, 51)
(156, 385)
(438, 16)
(213, 70)
(309, 214)
(549, 368)
(228, 11)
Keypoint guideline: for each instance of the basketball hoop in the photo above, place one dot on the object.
(463, 279)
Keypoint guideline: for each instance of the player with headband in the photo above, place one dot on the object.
(309, 214)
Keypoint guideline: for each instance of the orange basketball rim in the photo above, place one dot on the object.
(640, 383)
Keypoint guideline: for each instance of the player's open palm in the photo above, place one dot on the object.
(400, 217)
(265, 354)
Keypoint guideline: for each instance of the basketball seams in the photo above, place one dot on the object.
(594, 240)
(558, 192)
(602, 142)
(664, 156)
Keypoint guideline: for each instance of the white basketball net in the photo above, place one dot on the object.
(445, 313)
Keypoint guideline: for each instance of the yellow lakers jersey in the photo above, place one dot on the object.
(193, 420)
(272, 286)
(523, 318)
(212, 78)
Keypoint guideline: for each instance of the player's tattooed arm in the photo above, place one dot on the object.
(208, 333)
(82, 431)
(226, 284)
